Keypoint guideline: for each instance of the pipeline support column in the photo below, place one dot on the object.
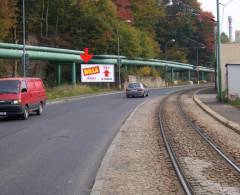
(189, 75)
(203, 76)
(59, 74)
(74, 81)
(172, 74)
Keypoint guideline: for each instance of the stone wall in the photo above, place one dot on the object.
(152, 82)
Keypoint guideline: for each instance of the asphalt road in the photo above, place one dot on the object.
(59, 152)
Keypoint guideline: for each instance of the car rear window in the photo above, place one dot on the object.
(134, 85)
(9, 86)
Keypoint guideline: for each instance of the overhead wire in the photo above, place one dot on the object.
(224, 5)
(222, 18)
(228, 2)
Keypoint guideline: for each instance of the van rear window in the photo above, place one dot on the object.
(9, 86)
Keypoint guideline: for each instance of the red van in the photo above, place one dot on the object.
(20, 96)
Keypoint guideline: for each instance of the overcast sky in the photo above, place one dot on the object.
(232, 9)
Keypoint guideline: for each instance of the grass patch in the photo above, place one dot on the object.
(68, 90)
(235, 103)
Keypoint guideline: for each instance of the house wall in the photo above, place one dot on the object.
(233, 80)
(230, 54)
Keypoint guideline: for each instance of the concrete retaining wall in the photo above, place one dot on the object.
(148, 81)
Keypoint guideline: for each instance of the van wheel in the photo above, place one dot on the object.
(25, 115)
(40, 109)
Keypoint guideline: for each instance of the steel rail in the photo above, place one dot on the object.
(185, 185)
(206, 137)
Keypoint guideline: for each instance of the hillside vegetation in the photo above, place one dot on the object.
(145, 29)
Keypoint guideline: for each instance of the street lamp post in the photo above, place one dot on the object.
(24, 40)
(166, 67)
(197, 65)
(119, 64)
(197, 57)
(165, 48)
(202, 46)
(118, 61)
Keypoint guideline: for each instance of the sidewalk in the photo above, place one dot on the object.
(230, 112)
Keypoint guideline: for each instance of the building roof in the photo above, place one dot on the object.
(232, 65)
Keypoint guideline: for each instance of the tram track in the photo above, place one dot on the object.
(197, 160)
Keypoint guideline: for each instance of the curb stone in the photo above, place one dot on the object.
(101, 174)
(228, 123)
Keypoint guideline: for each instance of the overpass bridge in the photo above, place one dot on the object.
(63, 56)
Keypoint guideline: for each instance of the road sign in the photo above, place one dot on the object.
(97, 73)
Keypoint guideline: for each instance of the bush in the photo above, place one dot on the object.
(147, 72)
(69, 90)
(144, 71)
(155, 73)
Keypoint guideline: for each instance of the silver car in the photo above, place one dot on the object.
(136, 90)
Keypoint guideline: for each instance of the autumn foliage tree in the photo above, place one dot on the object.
(143, 28)
(7, 17)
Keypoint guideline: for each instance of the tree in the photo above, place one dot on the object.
(7, 17)
(224, 38)
(124, 9)
(191, 28)
(146, 14)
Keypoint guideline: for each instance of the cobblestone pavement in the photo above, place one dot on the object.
(139, 163)
(225, 137)
(204, 169)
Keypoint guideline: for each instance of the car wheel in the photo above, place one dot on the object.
(25, 115)
(40, 109)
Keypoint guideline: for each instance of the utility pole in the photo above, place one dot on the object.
(219, 76)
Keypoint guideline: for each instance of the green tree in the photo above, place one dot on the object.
(150, 48)
(146, 14)
(224, 38)
(191, 28)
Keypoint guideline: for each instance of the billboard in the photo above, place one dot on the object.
(97, 73)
